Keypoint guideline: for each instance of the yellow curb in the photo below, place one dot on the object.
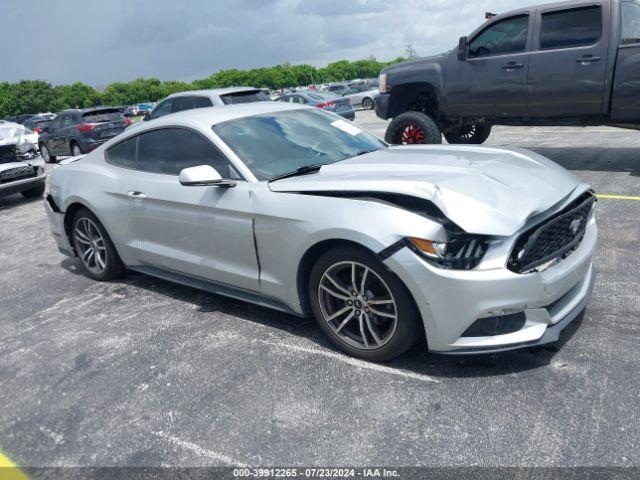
(617, 197)
(9, 471)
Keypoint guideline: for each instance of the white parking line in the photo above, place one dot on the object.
(198, 450)
(352, 361)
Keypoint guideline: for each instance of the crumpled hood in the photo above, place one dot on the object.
(14, 134)
(484, 190)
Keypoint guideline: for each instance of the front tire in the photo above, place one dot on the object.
(35, 192)
(364, 309)
(44, 153)
(469, 134)
(413, 128)
(367, 103)
(96, 252)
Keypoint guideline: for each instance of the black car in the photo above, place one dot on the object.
(39, 123)
(74, 132)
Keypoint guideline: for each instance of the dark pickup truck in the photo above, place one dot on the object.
(568, 63)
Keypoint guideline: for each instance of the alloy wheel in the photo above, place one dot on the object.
(91, 245)
(411, 134)
(357, 305)
(367, 104)
(44, 151)
(75, 150)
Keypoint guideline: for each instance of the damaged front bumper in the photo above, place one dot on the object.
(451, 301)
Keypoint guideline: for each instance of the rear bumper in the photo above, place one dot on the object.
(349, 115)
(381, 103)
(56, 223)
(450, 301)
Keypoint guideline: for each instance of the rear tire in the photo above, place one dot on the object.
(35, 192)
(75, 149)
(98, 256)
(44, 153)
(377, 319)
(367, 103)
(413, 128)
(469, 134)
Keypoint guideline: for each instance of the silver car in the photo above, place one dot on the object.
(477, 249)
(361, 97)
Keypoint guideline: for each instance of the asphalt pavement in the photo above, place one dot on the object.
(141, 372)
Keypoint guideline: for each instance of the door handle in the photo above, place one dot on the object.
(136, 194)
(511, 66)
(587, 59)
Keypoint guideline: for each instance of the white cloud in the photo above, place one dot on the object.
(102, 42)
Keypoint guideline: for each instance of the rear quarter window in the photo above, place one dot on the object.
(124, 153)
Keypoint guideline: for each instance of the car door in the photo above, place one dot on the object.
(53, 128)
(492, 80)
(568, 62)
(65, 132)
(202, 231)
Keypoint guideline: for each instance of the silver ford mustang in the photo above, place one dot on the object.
(478, 249)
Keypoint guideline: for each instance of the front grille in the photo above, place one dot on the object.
(554, 238)
(19, 173)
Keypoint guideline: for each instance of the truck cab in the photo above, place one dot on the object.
(568, 63)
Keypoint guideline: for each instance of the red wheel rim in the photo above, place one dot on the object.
(411, 134)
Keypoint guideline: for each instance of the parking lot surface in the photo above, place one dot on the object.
(142, 372)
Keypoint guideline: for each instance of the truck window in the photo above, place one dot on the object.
(630, 22)
(506, 36)
(571, 28)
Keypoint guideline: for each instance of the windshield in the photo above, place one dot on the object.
(275, 143)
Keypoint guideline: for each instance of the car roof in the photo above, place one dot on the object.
(213, 91)
(205, 118)
(90, 109)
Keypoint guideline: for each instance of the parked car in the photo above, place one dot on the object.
(75, 132)
(284, 206)
(216, 97)
(38, 123)
(569, 63)
(22, 170)
(322, 99)
(363, 97)
(337, 88)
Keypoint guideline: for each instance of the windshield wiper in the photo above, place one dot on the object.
(304, 170)
(364, 152)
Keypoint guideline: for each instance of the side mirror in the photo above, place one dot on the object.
(463, 49)
(203, 175)
(146, 117)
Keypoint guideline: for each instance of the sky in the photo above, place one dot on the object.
(99, 42)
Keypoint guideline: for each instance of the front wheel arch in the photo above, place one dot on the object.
(312, 255)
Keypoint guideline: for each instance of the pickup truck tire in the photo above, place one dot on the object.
(469, 134)
(412, 128)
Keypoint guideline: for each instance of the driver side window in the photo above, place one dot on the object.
(506, 36)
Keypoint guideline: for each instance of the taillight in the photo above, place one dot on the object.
(127, 121)
(37, 130)
(326, 105)
(86, 127)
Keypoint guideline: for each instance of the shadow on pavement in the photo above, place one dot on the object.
(417, 359)
(593, 158)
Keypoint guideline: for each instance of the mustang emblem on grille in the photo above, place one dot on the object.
(575, 225)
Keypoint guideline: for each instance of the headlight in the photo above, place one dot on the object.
(462, 251)
(382, 83)
(430, 248)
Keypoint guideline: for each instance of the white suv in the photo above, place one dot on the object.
(177, 102)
